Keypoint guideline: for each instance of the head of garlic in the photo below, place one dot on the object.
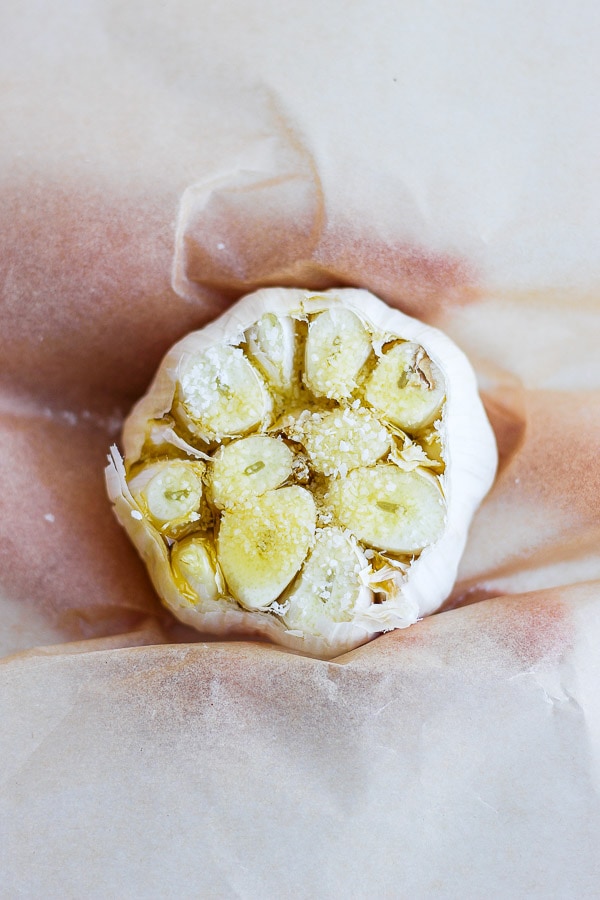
(305, 469)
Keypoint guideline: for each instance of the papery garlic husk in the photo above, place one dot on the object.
(281, 408)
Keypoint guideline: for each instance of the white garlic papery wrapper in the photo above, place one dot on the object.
(373, 526)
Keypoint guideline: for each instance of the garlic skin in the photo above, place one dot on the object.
(411, 588)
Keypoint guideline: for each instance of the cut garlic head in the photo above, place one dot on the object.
(305, 469)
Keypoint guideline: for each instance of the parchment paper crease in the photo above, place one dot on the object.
(157, 161)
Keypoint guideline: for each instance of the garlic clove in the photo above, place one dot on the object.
(194, 563)
(271, 345)
(329, 586)
(342, 439)
(248, 467)
(221, 393)
(337, 347)
(262, 544)
(406, 387)
(388, 508)
(170, 492)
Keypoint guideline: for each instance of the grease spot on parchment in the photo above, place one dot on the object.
(506, 410)
(87, 306)
(516, 632)
(532, 627)
(264, 219)
(251, 231)
(417, 279)
(62, 556)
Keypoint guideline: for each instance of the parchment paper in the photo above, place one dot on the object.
(157, 161)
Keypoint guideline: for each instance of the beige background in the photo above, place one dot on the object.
(157, 161)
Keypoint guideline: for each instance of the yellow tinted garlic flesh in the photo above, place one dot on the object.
(170, 494)
(305, 469)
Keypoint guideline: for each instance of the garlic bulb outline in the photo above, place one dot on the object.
(469, 455)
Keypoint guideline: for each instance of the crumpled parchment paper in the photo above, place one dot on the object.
(159, 160)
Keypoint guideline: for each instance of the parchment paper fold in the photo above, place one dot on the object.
(158, 161)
